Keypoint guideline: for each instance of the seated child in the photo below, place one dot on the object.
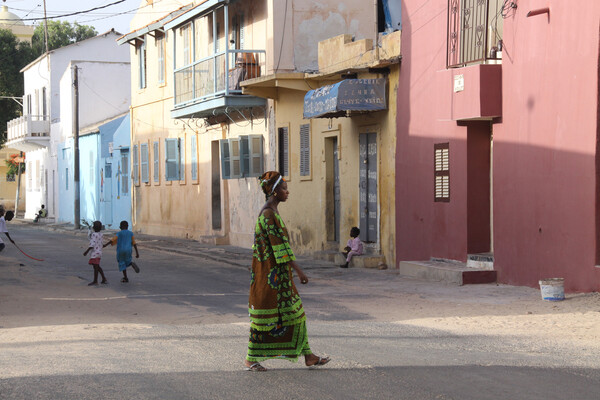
(125, 241)
(354, 246)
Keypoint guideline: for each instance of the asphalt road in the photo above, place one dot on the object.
(178, 330)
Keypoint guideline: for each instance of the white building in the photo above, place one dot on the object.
(45, 125)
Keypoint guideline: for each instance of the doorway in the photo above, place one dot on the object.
(369, 221)
(332, 201)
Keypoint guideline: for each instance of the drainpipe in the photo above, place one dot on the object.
(76, 146)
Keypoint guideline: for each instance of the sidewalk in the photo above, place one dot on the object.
(232, 255)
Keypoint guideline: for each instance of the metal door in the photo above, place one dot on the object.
(368, 187)
(336, 190)
(106, 194)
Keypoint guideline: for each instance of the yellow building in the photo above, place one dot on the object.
(197, 142)
(336, 132)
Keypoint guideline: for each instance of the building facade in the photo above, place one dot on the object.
(198, 141)
(496, 153)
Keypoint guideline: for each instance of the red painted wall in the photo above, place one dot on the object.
(544, 150)
(544, 159)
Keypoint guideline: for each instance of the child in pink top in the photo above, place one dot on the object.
(354, 247)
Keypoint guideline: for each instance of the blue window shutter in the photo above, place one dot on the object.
(194, 158)
(225, 159)
(144, 163)
(245, 156)
(156, 162)
(305, 150)
(256, 155)
(182, 159)
(172, 159)
(136, 170)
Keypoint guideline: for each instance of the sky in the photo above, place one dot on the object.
(117, 16)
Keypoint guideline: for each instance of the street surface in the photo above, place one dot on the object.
(178, 330)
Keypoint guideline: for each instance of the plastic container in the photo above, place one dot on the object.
(553, 289)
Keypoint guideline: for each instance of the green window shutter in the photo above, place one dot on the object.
(194, 158)
(305, 150)
(136, 168)
(236, 159)
(172, 159)
(256, 155)
(144, 163)
(225, 159)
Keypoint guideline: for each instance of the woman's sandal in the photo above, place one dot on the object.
(255, 367)
(322, 361)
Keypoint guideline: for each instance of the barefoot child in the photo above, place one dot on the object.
(354, 247)
(125, 241)
(96, 249)
(3, 218)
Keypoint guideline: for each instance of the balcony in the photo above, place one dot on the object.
(29, 133)
(475, 32)
(212, 84)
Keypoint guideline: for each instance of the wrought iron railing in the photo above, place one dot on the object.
(217, 75)
(474, 32)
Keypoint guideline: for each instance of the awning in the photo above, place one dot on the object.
(362, 95)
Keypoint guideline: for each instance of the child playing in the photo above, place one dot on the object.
(124, 241)
(3, 218)
(354, 247)
(96, 248)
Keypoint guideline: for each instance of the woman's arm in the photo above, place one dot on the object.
(301, 275)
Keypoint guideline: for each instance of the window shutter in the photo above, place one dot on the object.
(225, 159)
(305, 150)
(181, 151)
(442, 172)
(245, 155)
(172, 159)
(194, 158)
(256, 155)
(125, 171)
(284, 152)
(236, 161)
(144, 163)
(156, 162)
(242, 31)
(135, 171)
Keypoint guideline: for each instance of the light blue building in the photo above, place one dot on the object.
(103, 177)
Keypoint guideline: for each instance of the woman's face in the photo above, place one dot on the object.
(282, 191)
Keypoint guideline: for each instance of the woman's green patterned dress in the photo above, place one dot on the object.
(278, 323)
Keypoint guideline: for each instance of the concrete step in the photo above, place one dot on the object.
(364, 261)
(446, 271)
(483, 261)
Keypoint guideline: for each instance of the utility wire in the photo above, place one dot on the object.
(70, 14)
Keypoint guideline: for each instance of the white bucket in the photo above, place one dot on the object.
(553, 289)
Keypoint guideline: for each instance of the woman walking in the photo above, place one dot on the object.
(277, 320)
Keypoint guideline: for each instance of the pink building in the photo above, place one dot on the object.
(498, 132)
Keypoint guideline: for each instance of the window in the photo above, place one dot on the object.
(194, 157)
(141, 50)
(144, 163)
(305, 150)
(135, 169)
(283, 153)
(160, 50)
(442, 172)
(156, 162)
(187, 53)
(172, 159)
(182, 160)
(124, 171)
(44, 104)
(241, 157)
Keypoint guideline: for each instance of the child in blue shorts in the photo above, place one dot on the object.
(125, 242)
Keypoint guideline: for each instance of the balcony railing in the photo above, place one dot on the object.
(28, 126)
(474, 32)
(218, 75)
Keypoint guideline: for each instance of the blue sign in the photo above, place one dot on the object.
(347, 95)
